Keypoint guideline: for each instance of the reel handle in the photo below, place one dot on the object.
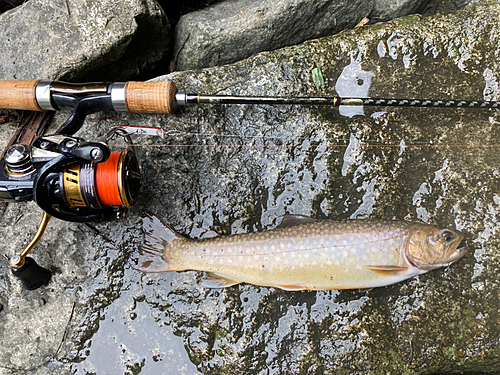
(31, 274)
(25, 268)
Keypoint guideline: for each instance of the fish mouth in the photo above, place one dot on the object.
(454, 255)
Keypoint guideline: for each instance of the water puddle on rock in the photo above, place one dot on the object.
(129, 340)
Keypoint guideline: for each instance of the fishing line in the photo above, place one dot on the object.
(318, 146)
(107, 185)
(371, 142)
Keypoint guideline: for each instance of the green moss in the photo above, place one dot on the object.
(468, 310)
(377, 27)
(396, 359)
(318, 78)
(395, 364)
(293, 52)
(410, 21)
(450, 353)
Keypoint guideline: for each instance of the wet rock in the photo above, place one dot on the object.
(445, 6)
(50, 39)
(233, 30)
(388, 10)
(235, 169)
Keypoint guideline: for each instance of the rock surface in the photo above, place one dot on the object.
(233, 30)
(445, 6)
(82, 40)
(430, 165)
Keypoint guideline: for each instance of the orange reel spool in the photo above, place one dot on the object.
(107, 181)
(115, 182)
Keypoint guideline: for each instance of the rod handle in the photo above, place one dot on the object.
(150, 97)
(19, 95)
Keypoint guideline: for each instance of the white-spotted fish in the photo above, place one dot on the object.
(304, 253)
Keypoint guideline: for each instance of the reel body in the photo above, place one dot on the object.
(69, 178)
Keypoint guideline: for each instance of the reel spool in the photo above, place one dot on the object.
(114, 182)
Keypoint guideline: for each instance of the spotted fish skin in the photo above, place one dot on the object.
(303, 253)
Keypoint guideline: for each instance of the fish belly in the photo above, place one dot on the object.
(315, 256)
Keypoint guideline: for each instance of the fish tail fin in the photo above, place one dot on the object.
(156, 253)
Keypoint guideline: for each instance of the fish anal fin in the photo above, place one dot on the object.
(216, 281)
(292, 288)
(293, 220)
(387, 270)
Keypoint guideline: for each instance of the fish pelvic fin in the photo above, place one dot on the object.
(216, 281)
(292, 288)
(388, 270)
(293, 220)
(156, 253)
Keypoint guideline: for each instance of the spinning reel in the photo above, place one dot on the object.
(69, 178)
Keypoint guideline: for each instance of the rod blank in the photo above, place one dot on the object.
(183, 99)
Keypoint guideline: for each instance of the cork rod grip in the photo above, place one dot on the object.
(150, 97)
(19, 95)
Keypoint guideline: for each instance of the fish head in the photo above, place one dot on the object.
(431, 247)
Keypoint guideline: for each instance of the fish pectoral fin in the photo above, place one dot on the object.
(215, 281)
(387, 270)
(293, 220)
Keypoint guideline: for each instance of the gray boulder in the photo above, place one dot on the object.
(235, 29)
(443, 6)
(47, 39)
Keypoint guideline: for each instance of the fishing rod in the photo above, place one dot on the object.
(163, 98)
(80, 181)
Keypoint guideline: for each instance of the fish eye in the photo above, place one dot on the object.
(447, 235)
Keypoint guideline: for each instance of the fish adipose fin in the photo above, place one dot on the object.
(154, 255)
(215, 281)
(293, 220)
(387, 270)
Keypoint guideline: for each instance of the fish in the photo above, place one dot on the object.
(303, 253)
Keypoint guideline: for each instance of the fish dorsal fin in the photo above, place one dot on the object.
(154, 255)
(293, 220)
(387, 270)
(215, 281)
